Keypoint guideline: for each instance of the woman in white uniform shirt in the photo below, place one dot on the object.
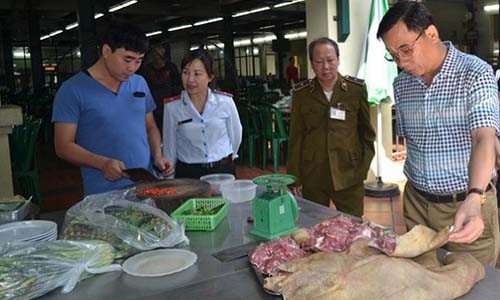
(201, 126)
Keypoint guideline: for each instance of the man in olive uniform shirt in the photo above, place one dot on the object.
(331, 139)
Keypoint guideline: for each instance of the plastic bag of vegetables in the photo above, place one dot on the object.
(129, 226)
(32, 269)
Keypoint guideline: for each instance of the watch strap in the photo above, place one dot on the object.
(478, 191)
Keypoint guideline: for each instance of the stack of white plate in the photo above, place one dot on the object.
(28, 231)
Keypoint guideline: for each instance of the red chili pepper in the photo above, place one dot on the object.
(157, 191)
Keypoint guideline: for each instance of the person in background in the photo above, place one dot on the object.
(201, 126)
(292, 72)
(163, 79)
(103, 118)
(447, 109)
(331, 140)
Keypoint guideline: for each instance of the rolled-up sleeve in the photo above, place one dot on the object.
(234, 128)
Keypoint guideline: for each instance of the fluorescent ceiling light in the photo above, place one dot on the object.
(267, 27)
(208, 21)
(71, 26)
(154, 33)
(291, 23)
(296, 35)
(98, 15)
(491, 8)
(180, 27)
(253, 11)
(121, 5)
(258, 40)
(53, 33)
(263, 39)
(213, 36)
(287, 3)
(213, 47)
(44, 37)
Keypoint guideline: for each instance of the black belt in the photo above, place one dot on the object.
(445, 198)
(226, 160)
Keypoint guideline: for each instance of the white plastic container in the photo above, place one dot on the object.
(216, 180)
(239, 190)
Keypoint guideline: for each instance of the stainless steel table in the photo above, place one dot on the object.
(211, 279)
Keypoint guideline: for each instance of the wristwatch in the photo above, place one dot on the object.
(478, 191)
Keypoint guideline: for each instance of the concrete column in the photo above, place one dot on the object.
(10, 115)
(230, 75)
(320, 23)
(8, 60)
(262, 60)
(87, 33)
(280, 54)
(37, 73)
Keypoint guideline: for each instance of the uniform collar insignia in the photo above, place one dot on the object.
(300, 85)
(344, 85)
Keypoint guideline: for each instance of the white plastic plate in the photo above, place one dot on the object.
(159, 262)
(27, 230)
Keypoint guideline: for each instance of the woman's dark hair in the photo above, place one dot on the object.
(414, 14)
(125, 35)
(322, 40)
(205, 58)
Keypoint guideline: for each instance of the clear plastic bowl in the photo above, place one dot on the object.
(239, 190)
(216, 180)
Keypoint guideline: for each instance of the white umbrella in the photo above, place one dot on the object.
(379, 75)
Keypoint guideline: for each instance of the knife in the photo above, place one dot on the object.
(233, 253)
(140, 175)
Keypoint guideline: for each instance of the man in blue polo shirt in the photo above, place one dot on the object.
(447, 109)
(103, 118)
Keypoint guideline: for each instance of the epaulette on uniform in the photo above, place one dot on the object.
(300, 85)
(354, 80)
(223, 93)
(170, 99)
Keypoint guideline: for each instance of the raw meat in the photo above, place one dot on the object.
(267, 256)
(334, 234)
(338, 233)
(362, 273)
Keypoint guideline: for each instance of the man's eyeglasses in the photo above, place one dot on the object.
(403, 51)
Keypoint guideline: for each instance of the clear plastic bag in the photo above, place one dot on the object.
(129, 226)
(32, 269)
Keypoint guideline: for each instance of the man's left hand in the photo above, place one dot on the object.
(165, 166)
(468, 221)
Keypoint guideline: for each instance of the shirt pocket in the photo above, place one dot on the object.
(136, 104)
(308, 154)
(218, 126)
(313, 118)
(191, 132)
(350, 121)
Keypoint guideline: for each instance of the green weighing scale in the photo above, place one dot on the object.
(275, 211)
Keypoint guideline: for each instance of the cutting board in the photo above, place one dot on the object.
(185, 188)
